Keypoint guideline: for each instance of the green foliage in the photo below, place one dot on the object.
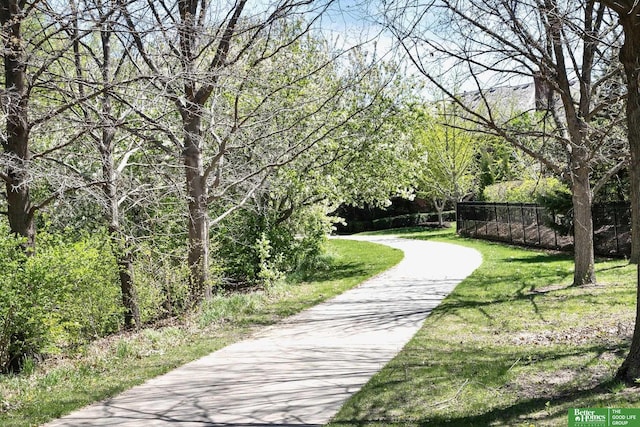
(232, 307)
(22, 330)
(547, 192)
(514, 344)
(268, 272)
(255, 247)
(527, 191)
(62, 296)
(110, 366)
(79, 280)
(161, 280)
(559, 201)
(446, 173)
(497, 161)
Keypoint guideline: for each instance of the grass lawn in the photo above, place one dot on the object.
(513, 345)
(111, 365)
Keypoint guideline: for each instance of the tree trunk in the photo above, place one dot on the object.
(630, 58)
(633, 125)
(439, 210)
(120, 246)
(635, 198)
(629, 371)
(19, 208)
(124, 260)
(119, 243)
(197, 194)
(582, 225)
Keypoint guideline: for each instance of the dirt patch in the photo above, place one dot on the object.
(547, 289)
(542, 384)
(604, 334)
(560, 383)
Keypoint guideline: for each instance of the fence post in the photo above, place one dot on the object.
(555, 232)
(495, 211)
(509, 222)
(524, 228)
(486, 219)
(615, 228)
(475, 221)
(537, 208)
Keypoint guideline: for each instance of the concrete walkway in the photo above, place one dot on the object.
(298, 372)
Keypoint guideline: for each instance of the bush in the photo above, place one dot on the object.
(559, 201)
(256, 247)
(527, 191)
(162, 282)
(64, 295)
(79, 283)
(22, 326)
(547, 192)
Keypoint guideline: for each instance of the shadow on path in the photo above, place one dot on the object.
(300, 371)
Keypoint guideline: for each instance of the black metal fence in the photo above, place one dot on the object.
(536, 226)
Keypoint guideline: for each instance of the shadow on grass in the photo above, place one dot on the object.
(337, 271)
(412, 230)
(614, 267)
(540, 258)
(525, 411)
(508, 416)
(544, 358)
(525, 292)
(513, 415)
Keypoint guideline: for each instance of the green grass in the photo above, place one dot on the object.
(512, 345)
(111, 365)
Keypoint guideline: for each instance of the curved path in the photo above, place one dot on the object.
(298, 372)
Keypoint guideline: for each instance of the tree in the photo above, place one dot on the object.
(100, 121)
(36, 50)
(628, 13)
(447, 175)
(232, 135)
(367, 160)
(35, 54)
(561, 48)
(20, 207)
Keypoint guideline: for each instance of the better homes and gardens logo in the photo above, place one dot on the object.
(588, 417)
(604, 417)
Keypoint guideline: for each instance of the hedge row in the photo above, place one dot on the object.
(400, 221)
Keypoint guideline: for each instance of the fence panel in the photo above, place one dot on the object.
(536, 226)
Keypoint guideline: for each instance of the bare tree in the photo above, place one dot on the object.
(98, 65)
(222, 70)
(20, 207)
(628, 13)
(37, 47)
(564, 48)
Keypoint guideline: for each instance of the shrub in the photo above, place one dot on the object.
(527, 191)
(255, 246)
(162, 282)
(558, 201)
(78, 281)
(22, 326)
(64, 295)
